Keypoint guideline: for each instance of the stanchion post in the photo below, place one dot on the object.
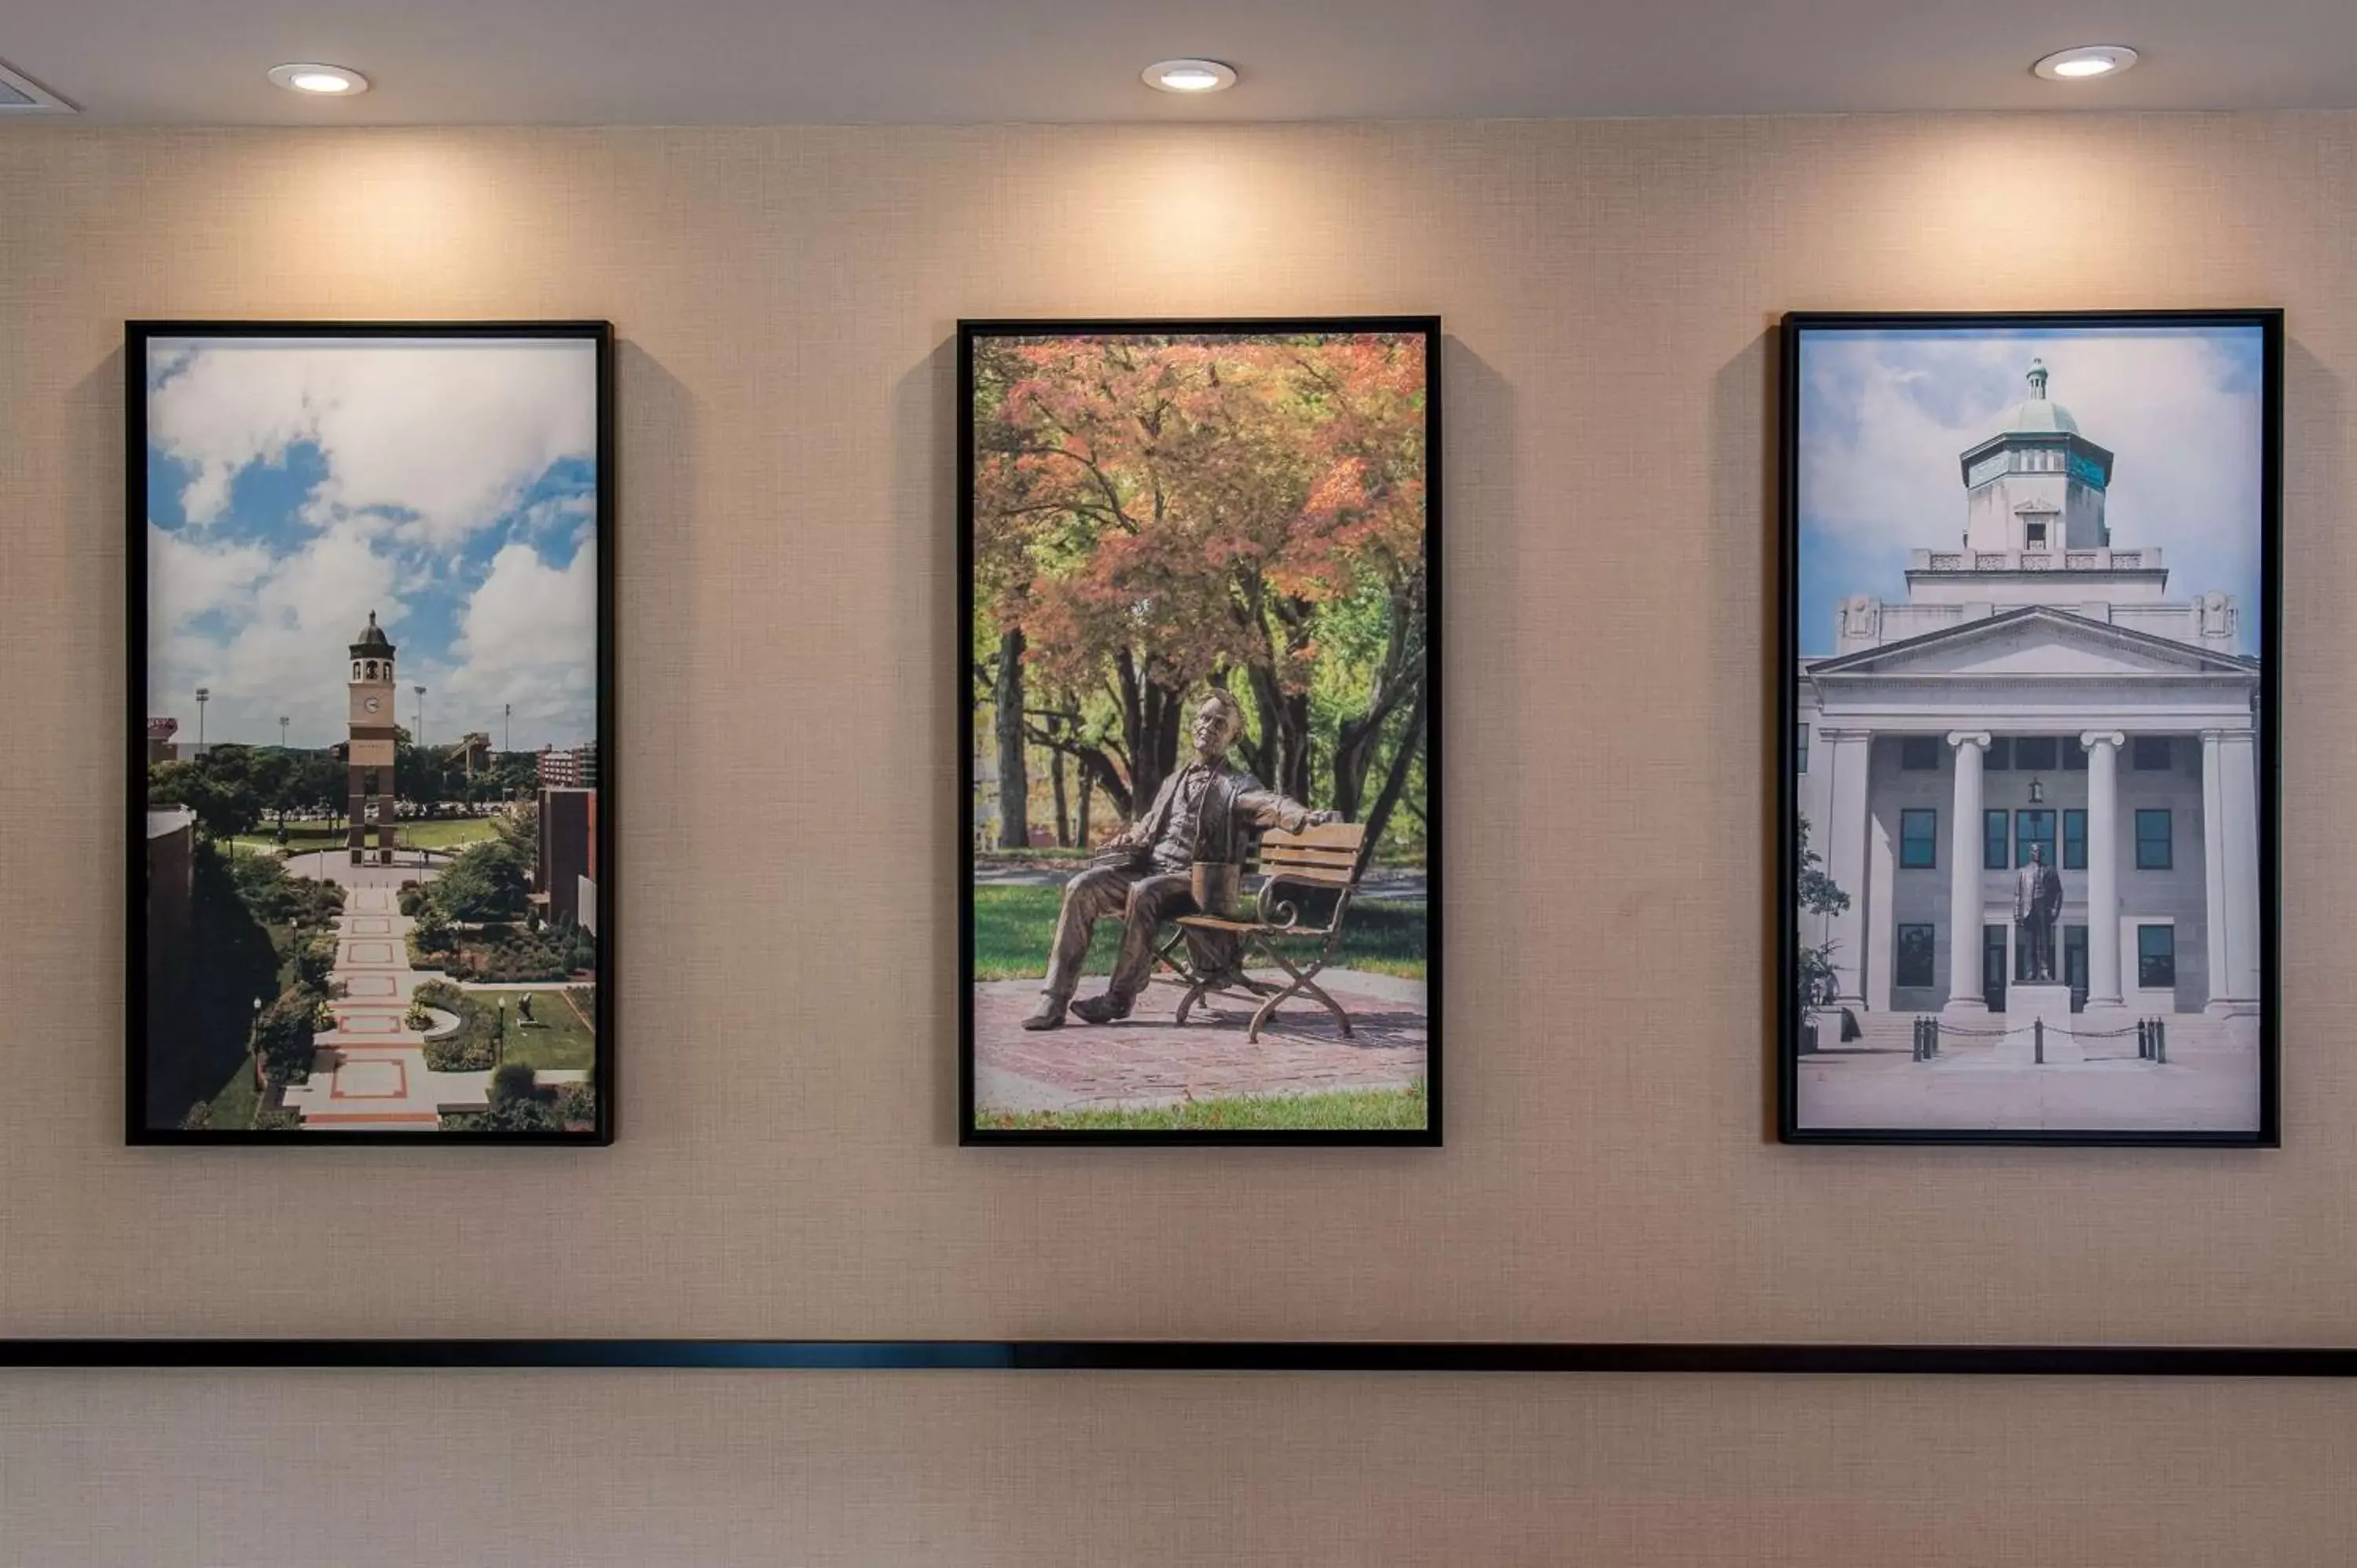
(2038, 1040)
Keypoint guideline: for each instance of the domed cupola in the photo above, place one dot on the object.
(2035, 483)
(373, 653)
(2036, 414)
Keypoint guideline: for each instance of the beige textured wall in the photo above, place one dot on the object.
(786, 1163)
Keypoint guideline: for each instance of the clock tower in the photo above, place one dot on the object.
(370, 754)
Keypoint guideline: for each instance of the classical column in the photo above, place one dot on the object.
(2238, 867)
(2104, 993)
(2214, 868)
(1965, 993)
(1850, 753)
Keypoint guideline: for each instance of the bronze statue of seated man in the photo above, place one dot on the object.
(1201, 813)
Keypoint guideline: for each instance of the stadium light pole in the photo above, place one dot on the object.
(507, 726)
(204, 695)
(421, 716)
(282, 732)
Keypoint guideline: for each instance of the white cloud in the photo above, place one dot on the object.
(187, 578)
(287, 654)
(528, 637)
(2186, 443)
(452, 432)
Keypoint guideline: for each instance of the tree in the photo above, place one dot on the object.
(1014, 779)
(1154, 516)
(1819, 894)
(215, 786)
(283, 1032)
(484, 882)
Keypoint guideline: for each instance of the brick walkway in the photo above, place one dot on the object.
(1148, 1060)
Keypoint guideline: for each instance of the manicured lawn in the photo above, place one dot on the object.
(556, 1038)
(302, 838)
(1012, 926)
(235, 1104)
(1356, 1109)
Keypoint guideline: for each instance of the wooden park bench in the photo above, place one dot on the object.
(1316, 860)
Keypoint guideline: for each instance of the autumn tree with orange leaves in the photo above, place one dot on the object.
(1153, 515)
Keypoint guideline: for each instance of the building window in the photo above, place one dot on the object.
(2075, 756)
(2155, 957)
(1920, 753)
(2074, 840)
(2033, 536)
(1995, 825)
(2153, 852)
(2150, 753)
(1918, 838)
(1801, 749)
(2000, 754)
(2034, 753)
(2033, 829)
(1914, 965)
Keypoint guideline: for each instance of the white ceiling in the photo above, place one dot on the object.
(788, 62)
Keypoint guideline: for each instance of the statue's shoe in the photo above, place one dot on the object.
(1101, 1009)
(1051, 1015)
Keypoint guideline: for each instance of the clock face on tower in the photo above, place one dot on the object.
(373, 704)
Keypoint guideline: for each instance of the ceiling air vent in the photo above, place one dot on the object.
(20, 95)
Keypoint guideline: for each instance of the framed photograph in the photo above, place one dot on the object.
(371, 814)
(1198, 596)
(2027, 767)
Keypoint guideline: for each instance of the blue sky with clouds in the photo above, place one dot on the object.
(294, 487)
(1886, 412)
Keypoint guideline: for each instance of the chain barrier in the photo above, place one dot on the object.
(2151, 1038)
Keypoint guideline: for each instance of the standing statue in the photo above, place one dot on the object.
(1142, 875)
(2037, 906)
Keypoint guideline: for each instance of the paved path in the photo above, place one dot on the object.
(1149, 1060)
(336, 865)
(2210, 1083)
(370, 1070)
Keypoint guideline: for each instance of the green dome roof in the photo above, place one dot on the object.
(2036, 414)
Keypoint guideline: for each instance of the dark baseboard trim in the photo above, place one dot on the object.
(1197, 1355)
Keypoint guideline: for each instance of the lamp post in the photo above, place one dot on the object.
(204, 695)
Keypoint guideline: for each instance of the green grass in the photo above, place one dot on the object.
(556, 1039)
(302, 838)
(1353, 1110)
(235, 1106)
(1013, 925)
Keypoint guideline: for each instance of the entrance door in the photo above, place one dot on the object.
(2074, 965)
(1993, 967)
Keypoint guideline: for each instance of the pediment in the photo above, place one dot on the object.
(2035, 641)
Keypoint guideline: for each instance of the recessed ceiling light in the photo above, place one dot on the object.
(1189, 76)
(2086, 61)
(319, 81)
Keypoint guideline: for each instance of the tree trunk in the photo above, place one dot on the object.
(1088, 787)
(1013, 782)
(1411, 741)
(1063, 810)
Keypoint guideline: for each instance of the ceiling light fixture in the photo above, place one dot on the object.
(1189, 76)
(2086, 61)
(319, 81)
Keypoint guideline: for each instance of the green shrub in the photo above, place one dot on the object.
(277, 1119)
(576, 1105)
(283, 1032)
(484, 882)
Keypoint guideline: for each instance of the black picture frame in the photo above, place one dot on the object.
(1785, 745)
(138, 334)
(1429, 328)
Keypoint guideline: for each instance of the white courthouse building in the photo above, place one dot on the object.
(2036, 686)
